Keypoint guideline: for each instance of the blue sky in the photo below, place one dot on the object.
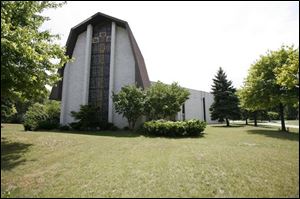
(188, 41)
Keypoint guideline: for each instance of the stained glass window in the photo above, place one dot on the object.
(102, 34)
(99, 70)
(102, 48)
(95, 40)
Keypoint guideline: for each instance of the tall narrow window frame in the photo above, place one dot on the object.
(204, 109)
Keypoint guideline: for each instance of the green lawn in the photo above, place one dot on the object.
(226, 162)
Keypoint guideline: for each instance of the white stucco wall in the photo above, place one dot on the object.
(124, 69)
(73, 86)
(209, 99)
(194, 106)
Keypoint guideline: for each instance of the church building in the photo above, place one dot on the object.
(106, 57)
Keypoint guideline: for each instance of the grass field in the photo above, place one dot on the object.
(239, 161)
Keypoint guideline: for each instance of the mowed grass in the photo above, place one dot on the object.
(239, 161)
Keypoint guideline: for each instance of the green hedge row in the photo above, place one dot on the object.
(190, 128)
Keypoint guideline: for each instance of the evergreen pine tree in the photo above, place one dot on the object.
(225, 105)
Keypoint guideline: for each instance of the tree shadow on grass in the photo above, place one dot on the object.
(12, 154)
(120, 133)
(276, 134)
(264, 126)
(231, 126)
(202, 135)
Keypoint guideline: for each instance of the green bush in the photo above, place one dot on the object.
(273, 115)
(64, 128)
(88, 118)
(190, 128)
(42, 116)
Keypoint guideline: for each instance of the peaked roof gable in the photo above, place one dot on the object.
(141, 74)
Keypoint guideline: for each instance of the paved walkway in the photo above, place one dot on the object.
(276, 124)
(270, 124)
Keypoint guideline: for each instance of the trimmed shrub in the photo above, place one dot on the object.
(190, 128)
(42, 116)
(126, 128)
(194, 127)
(64, 128)
(112, 127)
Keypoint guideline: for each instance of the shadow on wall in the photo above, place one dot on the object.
(12, 154)
(276, 134)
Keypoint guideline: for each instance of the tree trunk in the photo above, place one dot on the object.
(281, 113)
(255, 118)
(227, 122)
(131, 124)
(246, 121)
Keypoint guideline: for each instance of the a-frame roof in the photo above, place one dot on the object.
(141, 74)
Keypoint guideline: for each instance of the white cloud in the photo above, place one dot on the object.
(188, 41)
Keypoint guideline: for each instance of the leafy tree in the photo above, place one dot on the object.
(262, 90)
(244, 114)
(248, 103)
(163, 101)
(287, 74)
(225, 105)
(29, 56)
(291, 112)
(7, 110)
(42, 116)
(20, 104)
(129, 102)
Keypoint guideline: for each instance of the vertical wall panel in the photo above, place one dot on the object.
(73, 81)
